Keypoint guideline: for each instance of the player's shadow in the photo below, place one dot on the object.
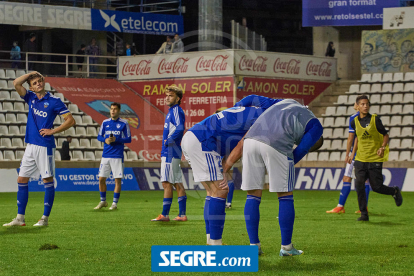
(294, 264)
(386, 223)
(378, 214)
(22, 230)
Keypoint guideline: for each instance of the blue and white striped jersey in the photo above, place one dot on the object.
(42, 113)
(120, 129)
(172, 135)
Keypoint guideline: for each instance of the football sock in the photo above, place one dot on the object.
(206, 210)
(22, 197)
(231, 191)
(367, 190)
(116, 197)
(49, 198)
(182, 205)
(286, 218)
(166, 205)
(346, 188)
(103, 196)
(252, 217)
(217, 216)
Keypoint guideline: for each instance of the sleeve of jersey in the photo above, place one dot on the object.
(179, 123)
(258, 101)
(61, 108)
(351, 130)
(126, 135)
(26, 97)
(312, 134)
(101, 136)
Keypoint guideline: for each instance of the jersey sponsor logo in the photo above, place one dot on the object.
(366, 135)
(40, 113)
(114, 132)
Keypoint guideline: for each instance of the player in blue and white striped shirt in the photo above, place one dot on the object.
(171, 155)
(39, 156)
(114, 132)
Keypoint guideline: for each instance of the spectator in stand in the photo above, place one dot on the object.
(30, 46)
(128, 49)
(178, 45)
(15, 55)
(64, 152)
(93, 51)
(134, 49)
(120, 48)
(330, 50)
(80, 58)
(167, 47)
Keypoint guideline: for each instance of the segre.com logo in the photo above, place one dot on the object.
(184, 258)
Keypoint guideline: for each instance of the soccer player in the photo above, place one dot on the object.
(171, 155)
(346, 187)
(372, 150)
(204, 146)
(114, 132)
(39, 156)
(268, 145)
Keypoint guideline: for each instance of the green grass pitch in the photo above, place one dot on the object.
(103, 242)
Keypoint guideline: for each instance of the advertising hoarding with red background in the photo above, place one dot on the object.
(93, 96)
(302, 91)
(202, 97)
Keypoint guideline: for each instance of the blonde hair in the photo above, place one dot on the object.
(178, 91)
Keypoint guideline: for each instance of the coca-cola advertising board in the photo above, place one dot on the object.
(277, 65)
(300, 90)
(178, 65)
(202, 97)
(94, 97)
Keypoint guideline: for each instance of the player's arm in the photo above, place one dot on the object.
(101, 136)
(233, 157)
(349, 143)
(18, 83)
(257, 101)
(313, 133)
(354, 150)
(68, 123)
(126, 135)
(381, 129)
(179, 122)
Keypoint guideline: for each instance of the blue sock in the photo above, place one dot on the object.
(22, 197)
(166, 205)
(217, 216)
(286, 218)
(231, 191)
(49, 198)
(367, 190)
(116, 197)
(252, 217)
(206, 210)
(182, 205)
(346, 189)
(103, 196)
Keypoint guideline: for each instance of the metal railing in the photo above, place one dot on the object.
(243, 38)
(60, 64)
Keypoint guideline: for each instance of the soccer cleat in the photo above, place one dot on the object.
(397, 197)
(161, 218)
(101, 205)
(228, 205)
(363, 218)
(337, 210)
(292, 252)
(42, 222)
(15, 222)
(113, 206)
(359, 212)
(180, 218)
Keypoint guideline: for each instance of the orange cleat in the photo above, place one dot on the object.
(359, 212)
(337, 210)
(181, 218)
(161, 218)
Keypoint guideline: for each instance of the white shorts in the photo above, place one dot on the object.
(349, 170)
(206, 165)
(171, 171)
(116, 165)
(257, 157)
(38, 160)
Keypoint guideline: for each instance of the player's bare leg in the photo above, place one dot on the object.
(117, 192)
(182, 202)
(102, 190)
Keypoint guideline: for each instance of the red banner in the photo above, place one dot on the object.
(202, 97)
(94, 97)
(303, 91)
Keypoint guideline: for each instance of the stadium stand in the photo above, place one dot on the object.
(13, 118)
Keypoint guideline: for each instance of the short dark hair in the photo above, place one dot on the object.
(317, 145)
(362, 97)
(116, 104)
(32, 35)
(33, 77)
(83, 46)
(178, 91)
(69, 137)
